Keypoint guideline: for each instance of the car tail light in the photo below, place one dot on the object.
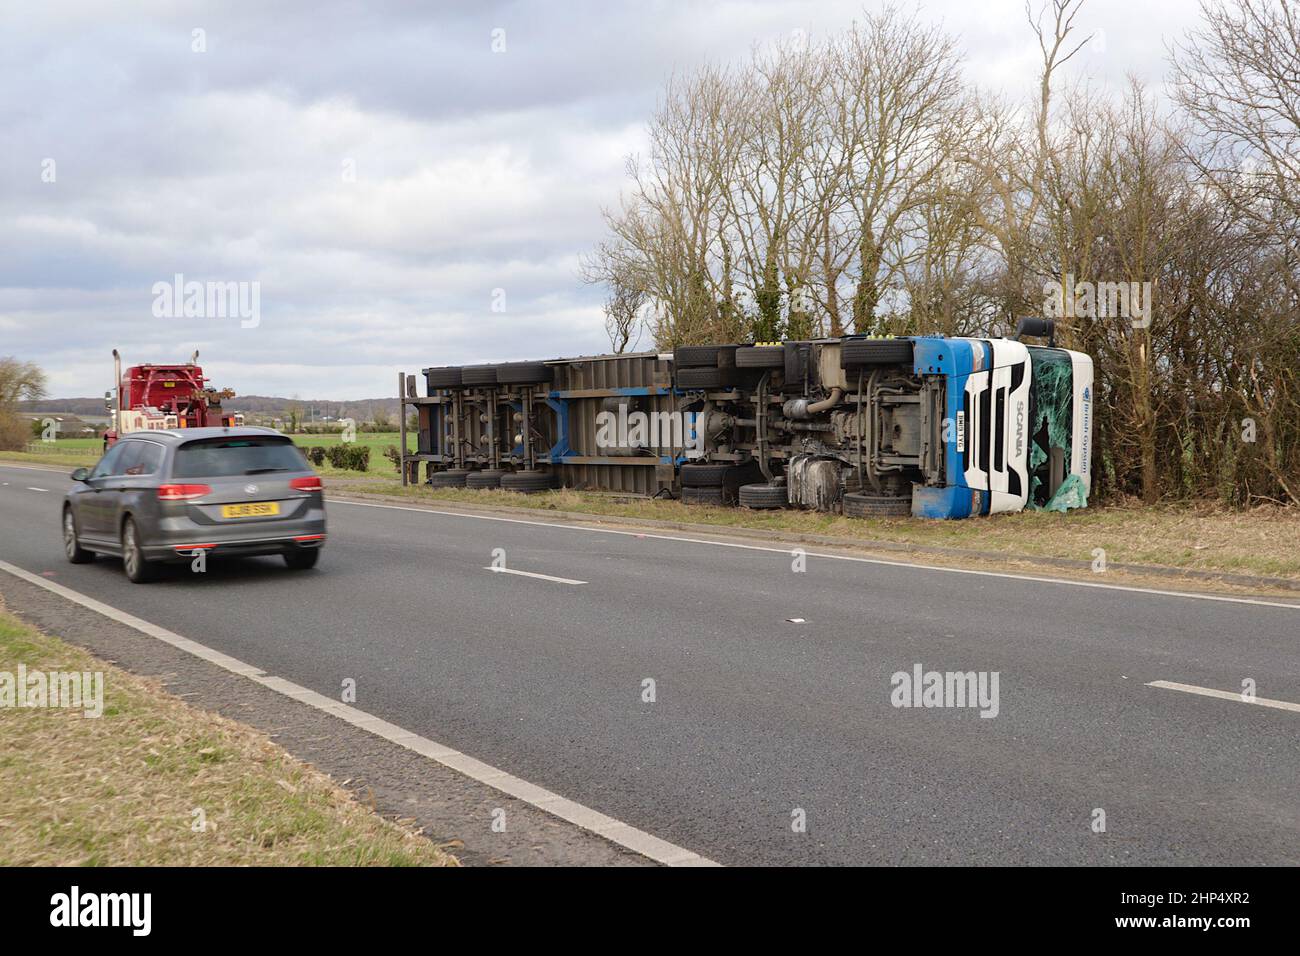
(182, 492)
(307, 484)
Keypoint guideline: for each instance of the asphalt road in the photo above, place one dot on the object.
(759, 721)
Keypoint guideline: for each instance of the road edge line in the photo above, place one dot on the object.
(584, 818)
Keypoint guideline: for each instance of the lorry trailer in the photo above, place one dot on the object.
(923, 425)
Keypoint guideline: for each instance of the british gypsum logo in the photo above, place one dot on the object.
(208, 300)
(40, 689)
(73, 909)
(923, 688)
(663, 431)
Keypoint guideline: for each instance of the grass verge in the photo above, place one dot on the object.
(1261, 542)
(121, 789)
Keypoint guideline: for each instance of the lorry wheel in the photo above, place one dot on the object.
(479, 375)
(139, 570)
(857, 505)
(528, 482)
(525, 373)
(452, 478)
(487, 478)
(762, 496)
(705, 474)
(760, 356)
(693, 378)
(443, 377)
(705, 356)
(703, 496)
(857, 353)
(72, 542)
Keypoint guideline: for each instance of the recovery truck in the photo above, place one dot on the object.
(930, 426)
(157, 397)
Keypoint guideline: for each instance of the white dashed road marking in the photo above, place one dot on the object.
(1225, 695)
(534, 574)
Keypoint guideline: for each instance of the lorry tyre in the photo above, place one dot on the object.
(706, 474)
(762, 496)
(761, 356)
(857, 353)
(487, 478)
(525, 373)
(479, 374)
(528, 482)
(452, 478)
(705, 356)
(443, 377)
(703, 496)
(857, 505)
(138, 568)
(694, 378)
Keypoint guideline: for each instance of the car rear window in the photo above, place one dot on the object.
(232, 457)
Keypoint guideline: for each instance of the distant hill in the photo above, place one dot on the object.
(262, 405)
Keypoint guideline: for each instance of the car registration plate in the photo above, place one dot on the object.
(255, 509)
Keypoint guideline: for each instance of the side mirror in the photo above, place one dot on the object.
(81, 474)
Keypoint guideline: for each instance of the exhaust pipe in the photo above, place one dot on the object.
(801, 408)
(117, 378)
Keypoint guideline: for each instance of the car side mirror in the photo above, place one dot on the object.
(81, 474)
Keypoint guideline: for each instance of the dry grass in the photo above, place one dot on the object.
(1263, 541)
(120, 790)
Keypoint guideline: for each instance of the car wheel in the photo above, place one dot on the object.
(72, 543)
(139, 570)
(303, 559)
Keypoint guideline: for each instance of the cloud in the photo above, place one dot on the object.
(375, 167)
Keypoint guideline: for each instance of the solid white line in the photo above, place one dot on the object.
(629, 837)
(38, 489)
(833, 557)
(1225, 695)
(534, 574)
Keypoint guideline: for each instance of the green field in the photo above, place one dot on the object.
(377, 442)
(86, 451)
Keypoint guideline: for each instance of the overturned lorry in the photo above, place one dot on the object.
(930, 426)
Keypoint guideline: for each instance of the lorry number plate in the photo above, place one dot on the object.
(961, 432)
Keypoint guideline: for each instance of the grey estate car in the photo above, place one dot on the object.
(161, 496)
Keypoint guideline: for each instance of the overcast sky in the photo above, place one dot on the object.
(375, 167)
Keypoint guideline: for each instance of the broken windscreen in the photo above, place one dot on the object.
(1051, 411)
